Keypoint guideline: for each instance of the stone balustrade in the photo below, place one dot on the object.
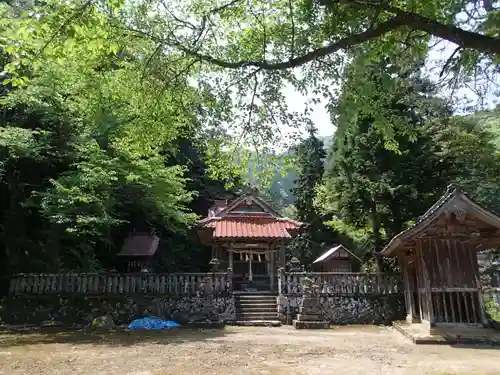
(122, 284)
(337, 283)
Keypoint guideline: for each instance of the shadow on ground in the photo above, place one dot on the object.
(112, 338)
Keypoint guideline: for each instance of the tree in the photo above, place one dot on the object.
(89, 147)
(369, 186)
(375, 187)
(471, 148)
(252, 47)
(309, 156)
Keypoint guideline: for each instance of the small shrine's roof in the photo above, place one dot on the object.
(139, 244)
(338, 251)
(453, 200)
(248, 217)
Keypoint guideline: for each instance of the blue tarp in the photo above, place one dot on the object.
(152, 323)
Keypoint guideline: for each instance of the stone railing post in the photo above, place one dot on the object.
(281, 280)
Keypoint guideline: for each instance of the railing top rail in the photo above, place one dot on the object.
(121, 274)
(340, 274)
(491, 289)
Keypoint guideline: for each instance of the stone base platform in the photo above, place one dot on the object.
(421, 334)
(303, 324)
(257, 323)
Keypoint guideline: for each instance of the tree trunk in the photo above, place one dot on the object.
(377, 238)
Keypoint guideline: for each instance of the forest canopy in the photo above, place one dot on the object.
(244, 52)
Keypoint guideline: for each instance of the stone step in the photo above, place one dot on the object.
(254, 318)
(256, 298)
(257, 323)
(253, 312)
(271, 310)
(256, 315)
(310, 325)
(263, 304)
(255, 303)
(258, 292)
(308, 317)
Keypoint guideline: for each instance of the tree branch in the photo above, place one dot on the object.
(292, 46)
(346, 42)
(461, 37)
(449, 60)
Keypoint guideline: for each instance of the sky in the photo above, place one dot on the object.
(437, 56)
(320, 116)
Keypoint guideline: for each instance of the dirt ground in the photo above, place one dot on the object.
(239, 350)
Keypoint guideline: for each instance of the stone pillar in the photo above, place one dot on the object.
(281, 280)
(310, 315)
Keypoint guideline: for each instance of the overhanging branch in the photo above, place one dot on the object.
(463, 38)
(344, 43)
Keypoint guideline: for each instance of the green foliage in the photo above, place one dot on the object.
(492, 308)
(369, 186)
(251, 48)
(310, 156)
(121, 115)
(91, 146)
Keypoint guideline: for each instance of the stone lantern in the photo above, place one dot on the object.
(295, 265)
(310, 314)
(214, 262)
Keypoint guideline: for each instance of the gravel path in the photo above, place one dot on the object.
(239, 350)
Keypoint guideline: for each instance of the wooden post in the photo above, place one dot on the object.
(407, 288)
(421, 281)
(479, 286)
(282, 256)
(425, 248)
(250, 274)
(271, 269)
(231, 260)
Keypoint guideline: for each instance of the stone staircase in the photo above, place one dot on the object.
(256, 309)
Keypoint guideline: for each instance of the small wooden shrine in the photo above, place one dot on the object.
(438, 259)
(337, 259)
(249, 237)
(138, 251)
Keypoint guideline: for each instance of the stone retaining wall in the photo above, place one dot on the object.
(26, 309)
(349, 309)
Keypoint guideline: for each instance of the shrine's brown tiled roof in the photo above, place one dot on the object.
(247, 217)
(252, 227)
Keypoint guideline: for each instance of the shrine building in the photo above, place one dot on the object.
(249, 237)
